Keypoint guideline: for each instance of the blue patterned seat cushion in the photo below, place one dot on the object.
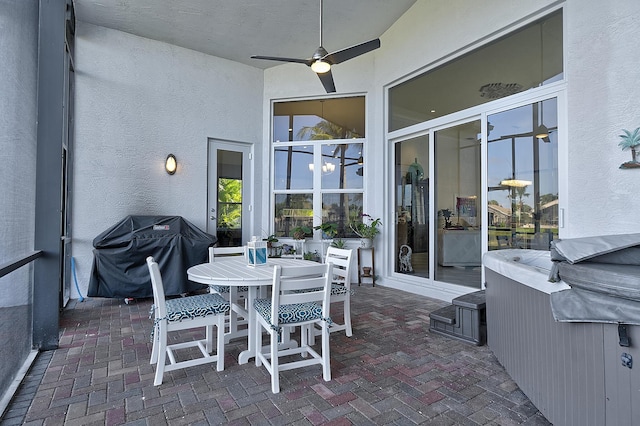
(288, 314)
(196, 306)
(225, 288)
(335, 290)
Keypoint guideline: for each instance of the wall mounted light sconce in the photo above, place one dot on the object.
(171, 164)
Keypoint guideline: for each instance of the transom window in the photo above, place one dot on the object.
(318, 164)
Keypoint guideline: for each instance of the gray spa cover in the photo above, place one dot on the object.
(604, 275)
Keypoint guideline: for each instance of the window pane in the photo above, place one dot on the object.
(323, 119)
(229, 203)
(522, 175)
(412, 206)
(292, 170)
(292, 210)
(524, 59)
(342, 166)
(341, 209)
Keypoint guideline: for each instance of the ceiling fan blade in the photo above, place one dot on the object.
(352, 52)
(327, 81)
(280, 59)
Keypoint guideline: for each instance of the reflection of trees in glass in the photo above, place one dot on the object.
(519, 193)
(292, 210)
(325, 130)
(229, 203)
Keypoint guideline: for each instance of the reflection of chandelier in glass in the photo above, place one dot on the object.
(327, 167)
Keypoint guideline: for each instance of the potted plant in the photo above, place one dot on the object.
(339, 243)
(366, 230)
(300, 232)
(329, 230)
(271, 240)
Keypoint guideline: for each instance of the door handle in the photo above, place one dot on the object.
(212, 217)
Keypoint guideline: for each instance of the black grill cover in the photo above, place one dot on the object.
(119, 258)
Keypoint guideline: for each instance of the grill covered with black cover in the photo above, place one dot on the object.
(119, 265)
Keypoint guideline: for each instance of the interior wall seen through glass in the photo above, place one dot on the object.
(522, 177)
(412, 206)
(524, 59)
(458, 204)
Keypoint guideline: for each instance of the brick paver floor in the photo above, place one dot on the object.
(391, 371)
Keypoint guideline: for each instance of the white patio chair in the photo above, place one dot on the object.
(204, 310)
(236, 295)
(341, 285)
(292, 309)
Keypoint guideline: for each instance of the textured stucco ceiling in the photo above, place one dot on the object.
(237, 29)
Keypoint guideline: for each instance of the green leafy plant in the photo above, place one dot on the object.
(270, 239)
(315, 256)
(368, 228)
(300, 232)
(339, 243)
(329, 229)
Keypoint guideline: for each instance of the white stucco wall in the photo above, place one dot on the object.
(603, 74)
(601, 68)
(137, 100)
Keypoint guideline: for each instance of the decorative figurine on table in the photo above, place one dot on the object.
(405, 259)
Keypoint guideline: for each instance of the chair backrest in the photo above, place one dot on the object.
(158, 288)
(503, 241)
(314, 280)
(341, 259)
(226, 251)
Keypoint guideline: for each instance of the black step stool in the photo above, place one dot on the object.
(465, 319)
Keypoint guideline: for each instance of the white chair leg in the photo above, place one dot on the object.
(209, 338)
(162, 355)
(257, 337)
(220, 343)
(275, 371)
(326, 363)
(154, 350)
(347, 318)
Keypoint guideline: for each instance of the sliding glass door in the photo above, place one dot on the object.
(458, 244)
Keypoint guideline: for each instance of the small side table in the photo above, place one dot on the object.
(372, 274)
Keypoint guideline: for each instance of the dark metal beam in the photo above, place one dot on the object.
(47, 269)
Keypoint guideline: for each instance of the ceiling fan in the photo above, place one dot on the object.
(321, 60)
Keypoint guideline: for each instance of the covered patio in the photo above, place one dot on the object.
(391, 371)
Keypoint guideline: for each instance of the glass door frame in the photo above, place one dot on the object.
(476, 113)
(246, 149)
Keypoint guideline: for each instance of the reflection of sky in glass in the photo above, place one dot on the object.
(297, 170)
(345, 173)
(509, 125)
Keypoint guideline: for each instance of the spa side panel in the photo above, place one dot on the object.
(559, 366)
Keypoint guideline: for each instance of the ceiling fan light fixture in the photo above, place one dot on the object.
(320, 66)
(542, 132)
